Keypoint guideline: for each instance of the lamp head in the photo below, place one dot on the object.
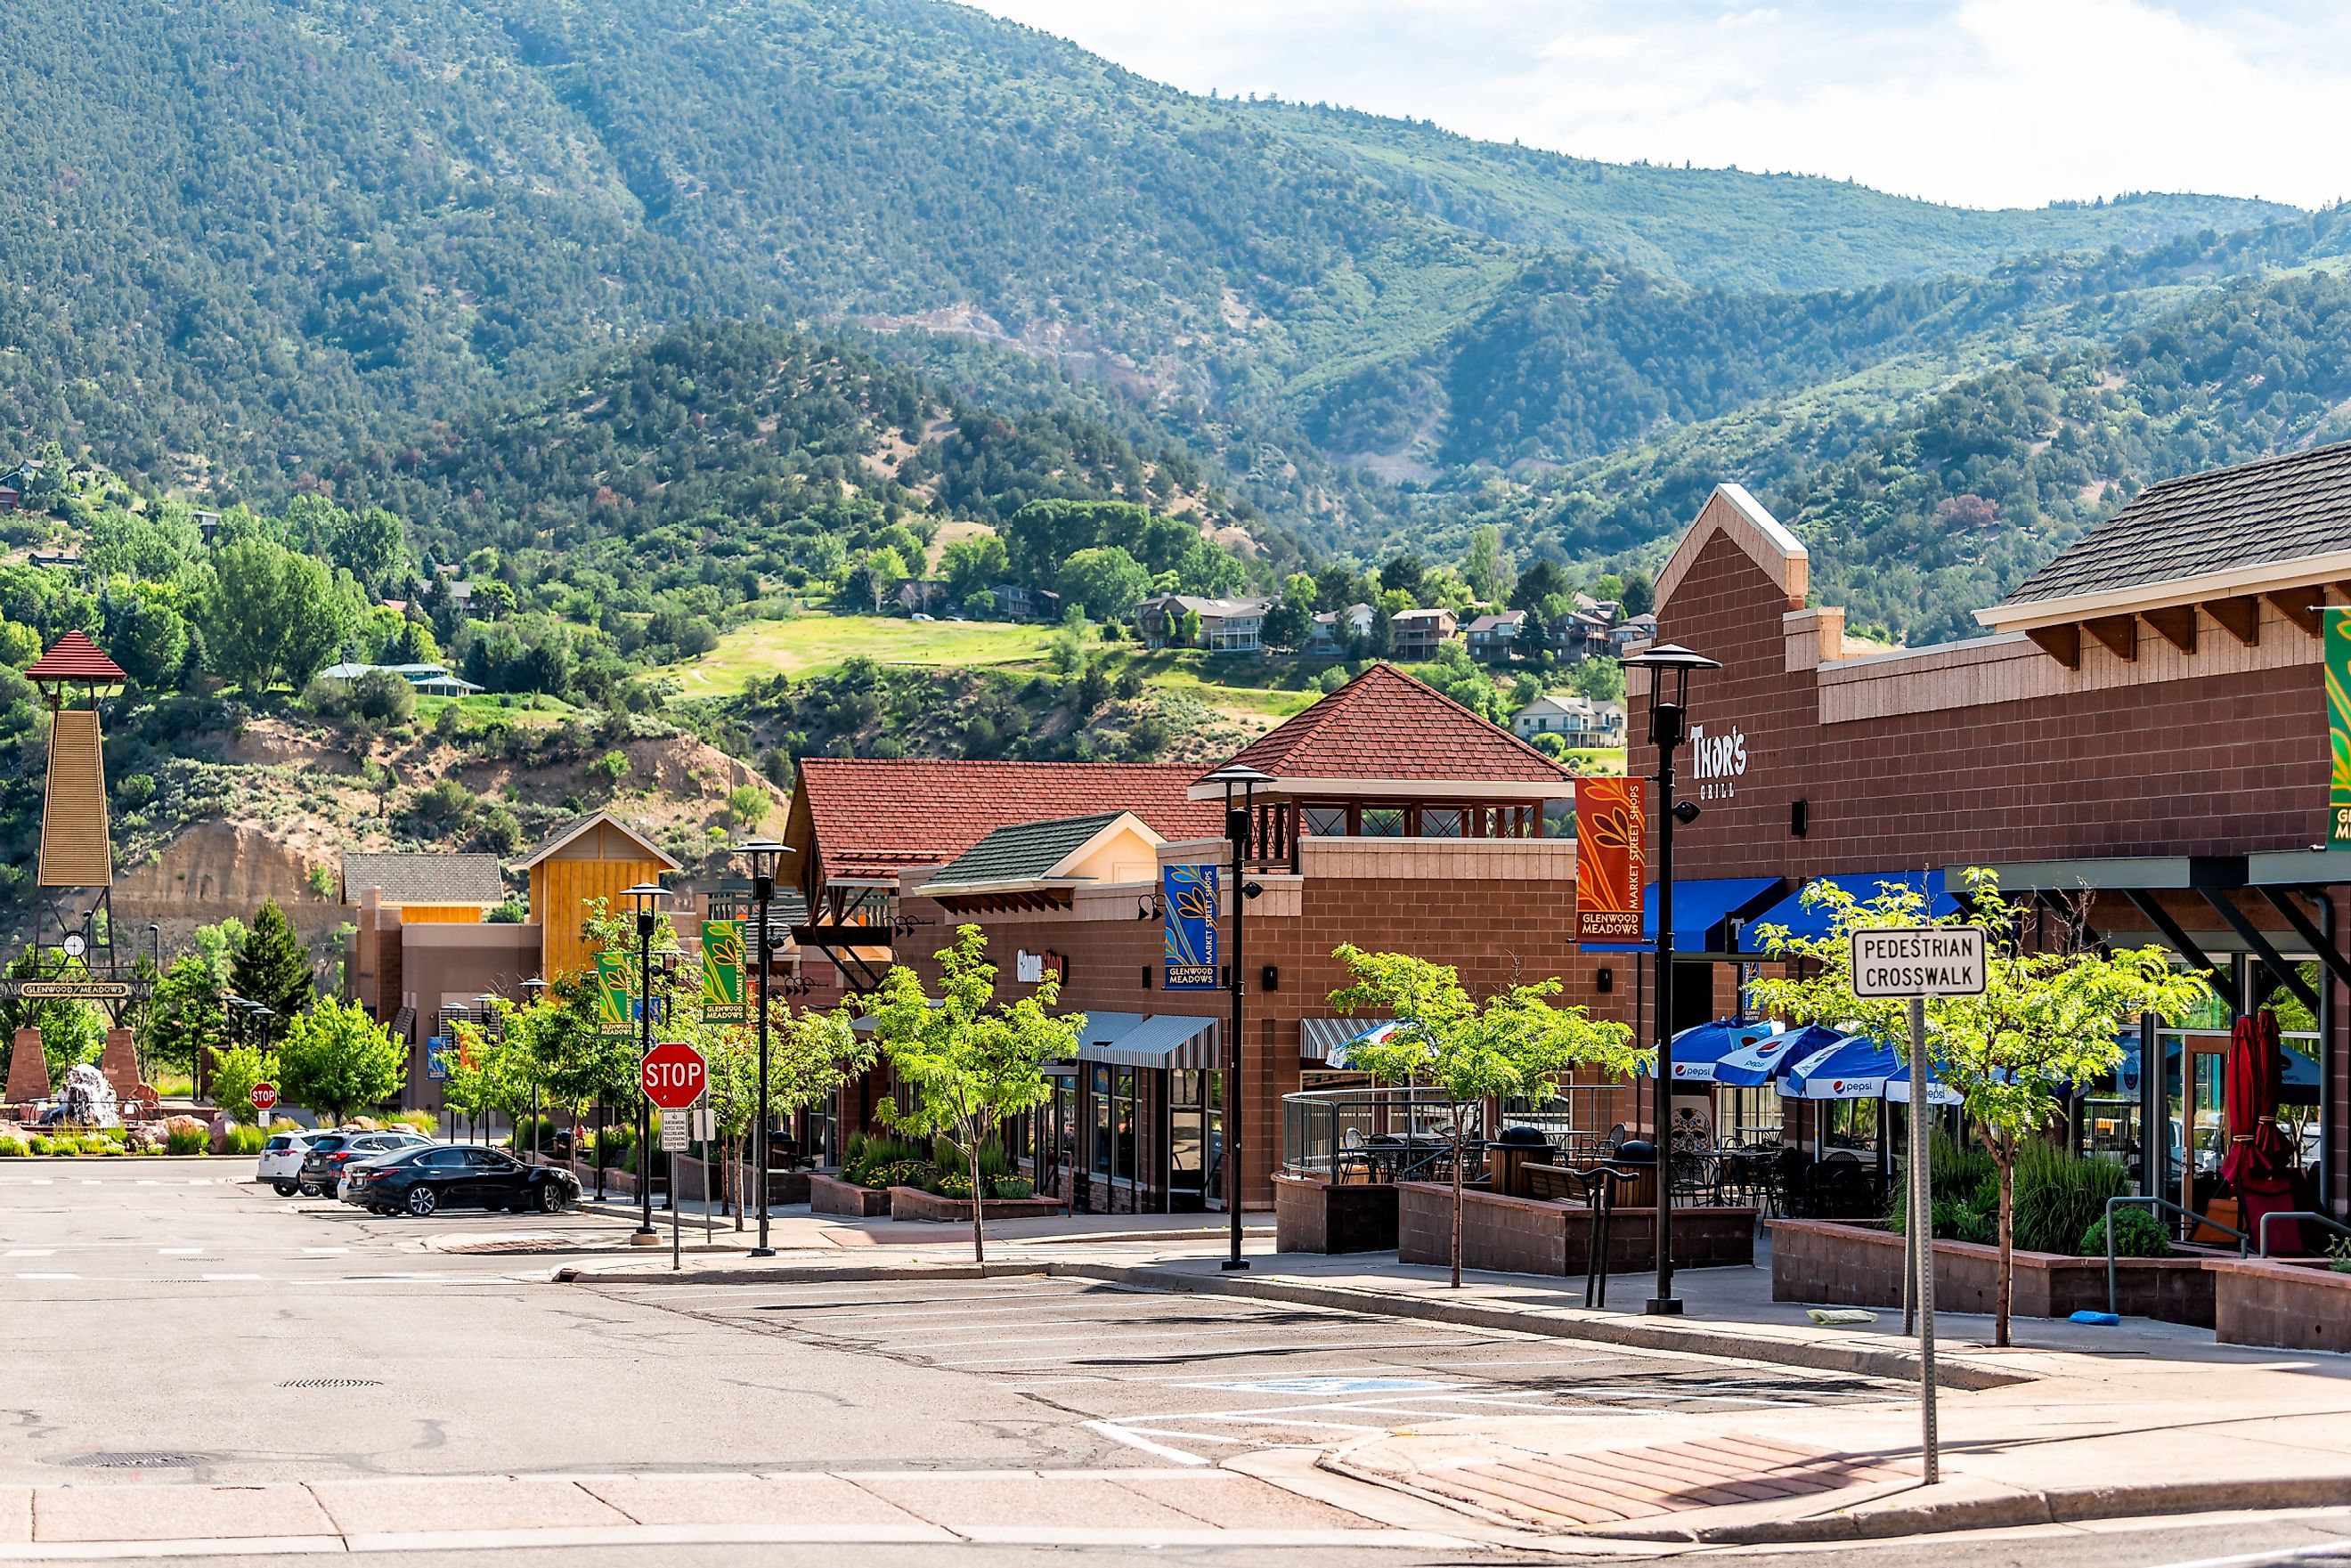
(1670, 666)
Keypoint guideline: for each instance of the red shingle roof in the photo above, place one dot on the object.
(1385, 724)
(75, 657)
(875, 817)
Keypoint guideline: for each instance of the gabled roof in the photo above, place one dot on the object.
(1383, 724)
(1026, 853)
(874, 817)
(1731, 512)
(74, 657)
(1489, 622)
(2227, 531)
(654, 851)
(404, 879)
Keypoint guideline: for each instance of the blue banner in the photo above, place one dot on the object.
(1189, 892)
(438, 1049)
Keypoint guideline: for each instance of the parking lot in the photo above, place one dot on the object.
(1192, 1379)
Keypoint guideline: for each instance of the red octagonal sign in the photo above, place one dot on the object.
(264, 1096)
(674, 1076)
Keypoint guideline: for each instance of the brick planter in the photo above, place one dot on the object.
(1528, 1236)
(1311, 1215)
(830, 1195)
(1845, 1264)
(914, 1203)
(2290, 1306)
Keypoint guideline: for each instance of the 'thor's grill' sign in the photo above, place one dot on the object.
(1717, 762)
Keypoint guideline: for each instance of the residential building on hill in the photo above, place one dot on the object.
(1227, 625)
(1494, 638)
(1334, 630)
(1420, 633)
(1581, 721)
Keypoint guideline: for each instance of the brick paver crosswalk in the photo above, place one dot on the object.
(1667, 1478)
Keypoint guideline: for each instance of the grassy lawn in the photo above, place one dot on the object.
(517, 708)
(1274, 687)
(809, 643)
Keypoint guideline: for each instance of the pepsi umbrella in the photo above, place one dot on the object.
(1854, 1068)
(1898, 1087)
(1698, 1049)
(1760, 1062)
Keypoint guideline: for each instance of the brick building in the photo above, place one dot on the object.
(1395, 820)
(2138, 746)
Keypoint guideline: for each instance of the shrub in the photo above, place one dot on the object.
(244, 1140)
(952, 1183)
(1012, 1187)
(447, 802)
(42, 1144)
(2060, 1195)
(12, 1148)
(2138, 1234)
(190, 1140)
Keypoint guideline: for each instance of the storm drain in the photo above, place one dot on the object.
(134, 1462)
(330, 1382)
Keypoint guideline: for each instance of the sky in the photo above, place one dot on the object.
(1984, 103)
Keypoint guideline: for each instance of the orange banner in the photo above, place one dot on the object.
(1611, 821)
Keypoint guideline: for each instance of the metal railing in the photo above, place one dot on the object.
(2296, 1214)
(1372, 1134)
(2127, 1201)
(1369, 1135)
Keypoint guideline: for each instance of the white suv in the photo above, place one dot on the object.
(281, 1160)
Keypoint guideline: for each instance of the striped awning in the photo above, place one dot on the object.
(1325, 1040)
(1158, 1040)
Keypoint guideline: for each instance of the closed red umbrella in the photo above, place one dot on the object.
(2260, 1160)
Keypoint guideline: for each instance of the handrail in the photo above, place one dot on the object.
(2296, 1214)
(2113, 1293)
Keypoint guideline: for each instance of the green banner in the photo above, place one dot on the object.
(2338, 726)
(615, 1017)
(722, 972)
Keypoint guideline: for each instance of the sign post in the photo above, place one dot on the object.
(674, 1077)
(1916, 963)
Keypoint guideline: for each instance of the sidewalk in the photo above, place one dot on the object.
(795, 1230)
(2073, 1422)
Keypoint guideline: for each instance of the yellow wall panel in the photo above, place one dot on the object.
(440, 914)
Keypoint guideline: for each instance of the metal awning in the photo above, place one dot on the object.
(1161, 1039)
(1325, 1040)
(1811, 921)
(1705, 911)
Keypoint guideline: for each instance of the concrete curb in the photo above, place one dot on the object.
(2072, 1505)
(800, 1273)
(1641, 1333)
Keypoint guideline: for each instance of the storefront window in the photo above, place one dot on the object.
(1383, 821)
(1123, 1120)
(1099, 1156)
(1444, 823)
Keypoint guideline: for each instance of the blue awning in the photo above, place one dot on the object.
(1814, 922)
(1701, 905)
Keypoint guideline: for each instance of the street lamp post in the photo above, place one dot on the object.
(763, 854)
(537, 988)
(1669, 666)
(486, 1002)
(647, 897)
(1245, 778)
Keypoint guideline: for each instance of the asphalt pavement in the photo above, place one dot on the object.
(199, 1368)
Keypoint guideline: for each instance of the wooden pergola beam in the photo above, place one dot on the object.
(2240, 617)
(2175, 623)
(2118, 632)
(2062, 644)
(2299, 605)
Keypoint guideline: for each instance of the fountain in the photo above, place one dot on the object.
(86, 1100)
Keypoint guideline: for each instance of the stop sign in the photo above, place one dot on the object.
(264, 1096)
(674, 1076)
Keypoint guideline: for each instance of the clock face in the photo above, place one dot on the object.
(74, 945)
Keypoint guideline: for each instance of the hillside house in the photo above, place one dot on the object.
(1579, 721)
(1635, 631)
(1578, 636)
(1494, 639)
(1015, 601)
(1335, 629)
(1420, 633)
(1227, 625)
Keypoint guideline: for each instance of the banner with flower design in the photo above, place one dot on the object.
(1611, 818)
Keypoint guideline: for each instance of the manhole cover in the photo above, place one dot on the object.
(330, 1382)
(134, 1462)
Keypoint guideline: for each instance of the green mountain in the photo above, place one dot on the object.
(266, 246)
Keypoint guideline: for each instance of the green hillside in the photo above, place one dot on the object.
(1722, 227)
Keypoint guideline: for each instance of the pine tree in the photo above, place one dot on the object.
(273, 969)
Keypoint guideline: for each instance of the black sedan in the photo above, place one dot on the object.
(426, 1181)
(324, 1157)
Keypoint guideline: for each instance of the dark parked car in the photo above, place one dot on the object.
(456, 1176)
(323, 1160)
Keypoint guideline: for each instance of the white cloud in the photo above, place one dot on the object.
(1983, 102)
